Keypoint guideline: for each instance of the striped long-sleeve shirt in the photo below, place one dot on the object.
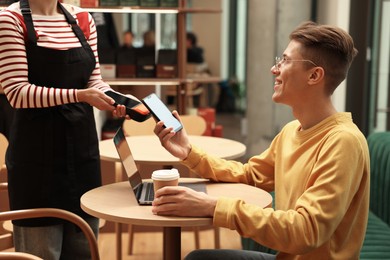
(52, 32)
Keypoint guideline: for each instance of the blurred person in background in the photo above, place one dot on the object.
(194, 52)
(128, 38)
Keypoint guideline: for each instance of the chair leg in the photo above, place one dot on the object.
(118, 226)
(118, 234)
(118, 172)
(131, 238)
(102, 223)
(217, 241)
(197, 239)
(6, 241)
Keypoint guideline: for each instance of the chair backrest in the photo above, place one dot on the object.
(131, 127)
(56, 213)
(3, 149)
(379, 147)
(3, 179)
(194, 125)
(18, 256)
(6, 238)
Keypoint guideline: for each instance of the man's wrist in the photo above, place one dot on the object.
(213, 205)
(188, 151)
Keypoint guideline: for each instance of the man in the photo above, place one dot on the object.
(318, 165)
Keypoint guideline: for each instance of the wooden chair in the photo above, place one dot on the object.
(192, 89)
(18, 256)
(55, 213)
(6, 237)
(3, 168)
(194, 125)
(3, 149)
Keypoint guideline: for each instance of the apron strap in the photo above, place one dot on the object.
(32, 38)
(76, 29)
(26, 12)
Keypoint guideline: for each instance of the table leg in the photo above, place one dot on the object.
(118, 233)
(172, 243)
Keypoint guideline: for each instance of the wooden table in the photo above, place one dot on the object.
(147, 149)
(116, 202)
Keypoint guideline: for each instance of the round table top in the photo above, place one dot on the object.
(148, 149)
(116, 202)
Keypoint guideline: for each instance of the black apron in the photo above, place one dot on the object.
(53, 155)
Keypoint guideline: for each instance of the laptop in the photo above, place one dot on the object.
(143, 191)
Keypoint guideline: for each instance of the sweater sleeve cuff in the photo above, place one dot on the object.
(223, 211)
(193, 157)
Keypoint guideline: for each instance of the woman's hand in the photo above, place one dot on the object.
(120, 110)
(101, 101)
(96, 97)
(175, 143)
(184, 202)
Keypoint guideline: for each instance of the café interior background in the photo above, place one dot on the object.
(240, 44)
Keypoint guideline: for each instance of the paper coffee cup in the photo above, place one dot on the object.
(165, 177)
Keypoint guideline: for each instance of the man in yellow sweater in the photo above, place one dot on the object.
(318, 165)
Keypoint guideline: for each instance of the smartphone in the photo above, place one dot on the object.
(161, 112)
(134, 108)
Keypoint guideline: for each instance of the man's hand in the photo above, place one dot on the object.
(175, 143)
(184, 202)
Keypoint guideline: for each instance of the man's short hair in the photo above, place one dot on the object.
(329, 47)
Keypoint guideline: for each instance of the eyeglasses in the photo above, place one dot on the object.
(280, 61)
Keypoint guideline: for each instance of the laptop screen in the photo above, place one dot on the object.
(127, 159)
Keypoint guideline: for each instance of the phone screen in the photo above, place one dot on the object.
(161, 112)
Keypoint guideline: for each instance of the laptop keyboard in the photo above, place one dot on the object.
(149, 192)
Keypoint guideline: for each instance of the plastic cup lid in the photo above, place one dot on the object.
(165, 174)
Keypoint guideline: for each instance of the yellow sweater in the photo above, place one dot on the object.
(321, 181)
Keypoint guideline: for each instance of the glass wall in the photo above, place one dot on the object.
(139, 23)
(380, 70)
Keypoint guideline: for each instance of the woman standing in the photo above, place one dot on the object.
(50, 73)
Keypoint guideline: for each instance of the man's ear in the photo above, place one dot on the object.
(316, 75)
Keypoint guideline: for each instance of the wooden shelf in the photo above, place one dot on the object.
(142, 81)
(199, 10)
(131, 9)
(159, 81)
(126, 9)
(182, 79)
(202, 80)
(157, 10)
(137, 9)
